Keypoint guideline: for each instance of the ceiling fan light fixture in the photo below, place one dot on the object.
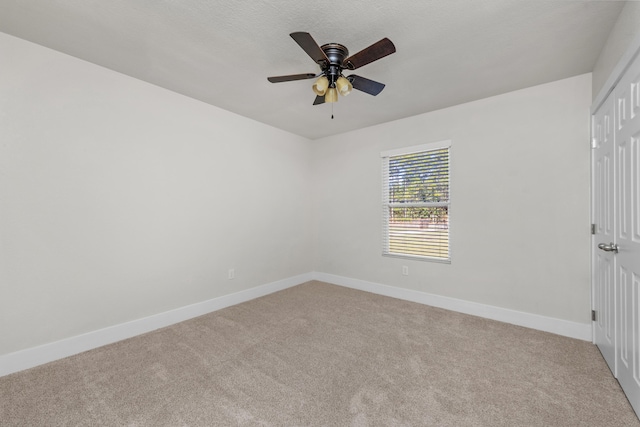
(344, 86)
(321, 85)
(331, 95)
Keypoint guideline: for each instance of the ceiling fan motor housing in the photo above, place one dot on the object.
(336, 54)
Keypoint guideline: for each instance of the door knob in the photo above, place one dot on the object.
(611, 247)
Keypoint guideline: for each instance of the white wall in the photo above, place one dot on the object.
(626, 28)
(120, 200)
(520, 201)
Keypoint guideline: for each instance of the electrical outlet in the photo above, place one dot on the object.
(232, 274)
(405, 270)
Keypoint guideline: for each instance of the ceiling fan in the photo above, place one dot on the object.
(333, 58)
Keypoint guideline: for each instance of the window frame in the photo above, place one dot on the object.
(386, 205)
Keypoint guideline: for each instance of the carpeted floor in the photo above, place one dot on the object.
(319, 354)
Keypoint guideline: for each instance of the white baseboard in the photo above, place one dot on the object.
(30, 357)
(581, 331)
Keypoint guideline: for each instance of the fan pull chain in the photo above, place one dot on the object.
(332, 110)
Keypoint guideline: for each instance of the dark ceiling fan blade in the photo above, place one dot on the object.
(318, 100)
(369, 54)
(309, 45)
(365, 85)
(280, 79)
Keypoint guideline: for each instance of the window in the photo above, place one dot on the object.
(415, 202)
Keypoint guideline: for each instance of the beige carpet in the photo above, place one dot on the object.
(319, 354)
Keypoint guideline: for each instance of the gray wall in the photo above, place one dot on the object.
(120, 200)
(519, 192)
(627, 28)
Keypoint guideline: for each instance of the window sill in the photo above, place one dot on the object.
(419, 258)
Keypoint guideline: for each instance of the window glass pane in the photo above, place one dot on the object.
(419, 177)
(416, 202)
(419, 231)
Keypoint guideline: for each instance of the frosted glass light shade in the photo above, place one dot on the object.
(332, 95)
(344, 86)
(320, 86)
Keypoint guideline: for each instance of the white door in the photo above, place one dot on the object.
(603, 217)
(627, 260)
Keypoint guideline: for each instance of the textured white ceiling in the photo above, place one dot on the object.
(221, 51)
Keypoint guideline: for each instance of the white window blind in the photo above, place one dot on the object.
(415, 202)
